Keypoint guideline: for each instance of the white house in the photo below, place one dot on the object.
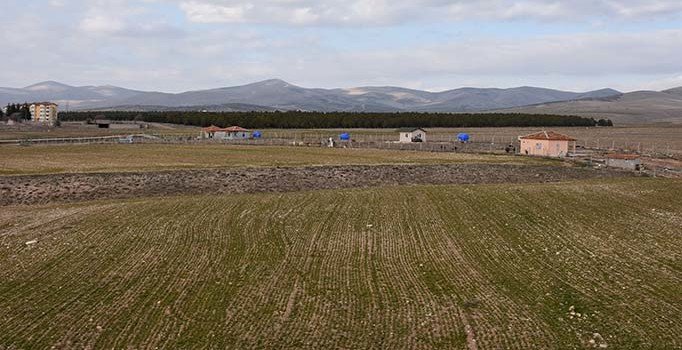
(231, 133)
(412, 135)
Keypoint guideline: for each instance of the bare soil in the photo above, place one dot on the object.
(31, 189)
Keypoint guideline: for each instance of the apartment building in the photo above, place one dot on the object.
(43, 112)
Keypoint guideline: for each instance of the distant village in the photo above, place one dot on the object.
(45, 113)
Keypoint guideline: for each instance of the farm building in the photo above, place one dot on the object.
(230, 133)
(624, 161)
(109, 124)
(412, 135)
(546, 144)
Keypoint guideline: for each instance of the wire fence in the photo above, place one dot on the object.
(435, 142)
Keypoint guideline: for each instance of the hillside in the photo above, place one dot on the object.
(277, 94)
(633, 107)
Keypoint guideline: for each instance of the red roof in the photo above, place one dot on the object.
(235, 129)
(214, 128)
(547, 135)
(211, 128)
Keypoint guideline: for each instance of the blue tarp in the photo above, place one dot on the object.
(462, 137)
(256, 134)
(345, 136)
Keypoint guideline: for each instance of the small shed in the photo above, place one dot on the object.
(111, 124)
(412, 135)
(546, 144)
(230, 133)
(103, 123)
(624, 161)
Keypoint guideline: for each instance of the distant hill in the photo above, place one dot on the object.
(62, 93)
(632, 107)
(228, 107)
(276, 94)
(674, 91)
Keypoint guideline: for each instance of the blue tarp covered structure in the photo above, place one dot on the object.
(344, 137)
(256, 134)
(462, 137)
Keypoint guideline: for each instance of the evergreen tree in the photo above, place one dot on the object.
(300, 119)
(25, 112)
(11, 109)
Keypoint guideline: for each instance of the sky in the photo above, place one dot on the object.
(179, 45)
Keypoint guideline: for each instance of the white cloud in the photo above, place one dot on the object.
(382, 12)
(205, 12)
(134, 43)
(639, 9)
(124, 18)
(663, 83)
(101, 24)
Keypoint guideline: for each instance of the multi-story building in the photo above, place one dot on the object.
(43, 112)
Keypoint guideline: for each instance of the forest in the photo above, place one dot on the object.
(329, 120)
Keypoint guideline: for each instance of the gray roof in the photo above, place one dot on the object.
(410, 129)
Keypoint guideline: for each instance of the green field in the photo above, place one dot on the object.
(544, 266)
(148, 157)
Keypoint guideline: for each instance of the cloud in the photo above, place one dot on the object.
(124, 18)
(205, 12)
(102, 24)
(384, 12)
(151, 44)
(584, 61)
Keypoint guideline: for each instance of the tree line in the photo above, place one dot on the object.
(22, 109)
(329, 120)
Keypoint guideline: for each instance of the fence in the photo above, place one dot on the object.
(437, 142)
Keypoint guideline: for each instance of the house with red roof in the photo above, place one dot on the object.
(229, 133)
(546, 144)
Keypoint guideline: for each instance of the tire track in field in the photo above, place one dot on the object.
(418, 268)
(495, 318)
(584, 259)
(309, 247)
(538, 229)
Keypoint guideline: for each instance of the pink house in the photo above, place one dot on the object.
(546, 144)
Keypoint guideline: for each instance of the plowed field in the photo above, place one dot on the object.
(585, 264)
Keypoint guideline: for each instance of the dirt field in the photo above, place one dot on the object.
(142, 157)
(73, 187)
(587, 264)
(72, 129)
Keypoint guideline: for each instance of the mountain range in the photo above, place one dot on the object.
(632, 107)
(276, 94)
